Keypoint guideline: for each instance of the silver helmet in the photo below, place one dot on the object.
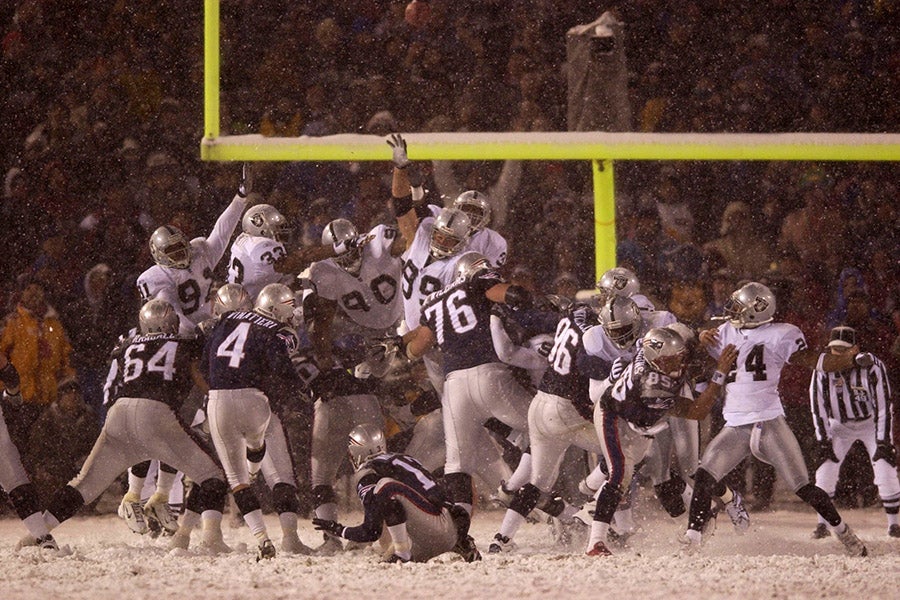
(618, 281)
(621, 320)
(342, 230)
(365, 441)
(470, 264)
(264, 220)
(170, 248)
(750, 306)
(449, 233)
(665, 351)
(157, 316)
(478, 208)
(277, 302)
(229, 297)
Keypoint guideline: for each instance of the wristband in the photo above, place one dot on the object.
(718, 378)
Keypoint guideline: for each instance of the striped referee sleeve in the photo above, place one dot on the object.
(880, 392)
(818, 403)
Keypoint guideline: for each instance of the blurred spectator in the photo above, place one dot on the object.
(740, 249)
(36, 343)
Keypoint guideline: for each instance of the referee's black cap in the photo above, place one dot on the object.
(842, 337)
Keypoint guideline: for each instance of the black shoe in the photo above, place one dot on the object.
(46, 542)
(466, 548)
(394, 559)
(265, 551)
(894, 531)
(820, 532)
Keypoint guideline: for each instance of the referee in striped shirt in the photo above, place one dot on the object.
(854, 405)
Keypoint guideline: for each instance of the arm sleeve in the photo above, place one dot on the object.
(818, 392)
(370, 529)
(510, 353)
(218, 239)
(880, 392)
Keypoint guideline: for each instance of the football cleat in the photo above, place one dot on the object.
(894, 531)
(736, 510)
(157, 509)
(466, 548)
(501, 544)
(586, 514)
(852, 544)
(691, 540)
(820, 532)
(395, 559)
(46, 542)
(130, 510)
(265, 551)
(599, 549)
(331, 546)
(291, 544)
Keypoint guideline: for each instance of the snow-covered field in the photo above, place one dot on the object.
(101, 559)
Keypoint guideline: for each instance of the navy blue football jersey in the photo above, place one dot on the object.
(248, 350)
(156, 366)
(567, 376)
(460, 318)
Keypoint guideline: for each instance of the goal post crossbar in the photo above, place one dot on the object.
(601, 148)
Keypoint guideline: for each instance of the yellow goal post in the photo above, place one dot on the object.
(601, 148)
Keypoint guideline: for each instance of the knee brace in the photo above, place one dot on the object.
(459, 487)
(284, 498)
(669, 494)
(65, 503)
(525, 499)
(323, 494)
(246, 501)
(24, 499)
(256, 456)
(704, 483)
(211, 495)
(819, 500)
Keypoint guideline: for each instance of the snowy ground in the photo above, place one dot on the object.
(101, 559)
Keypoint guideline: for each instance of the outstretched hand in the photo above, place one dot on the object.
(246, 184)
(400, 157)
(328, 526)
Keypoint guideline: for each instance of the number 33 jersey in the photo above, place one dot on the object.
(372, 298)
(252, 263)
(751, 388)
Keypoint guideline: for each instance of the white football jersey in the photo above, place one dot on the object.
(423, 275)
(751, 388)
(372, 298)
(487, 242)
(252, 263)
(187, 290)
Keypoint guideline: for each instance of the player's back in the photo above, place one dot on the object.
(246, 350)
(157, 367)
(406, 470)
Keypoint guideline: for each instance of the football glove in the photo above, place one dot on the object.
(398, 145)
(864, 360)
(884, 450)
(246, 184)
(328, 526)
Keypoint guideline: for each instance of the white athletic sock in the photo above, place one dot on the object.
(624, 521)
(164, 482)
(521, 475)
(36, 525)
(599, 529)
(892, 519)
(400, 538)
(50, 521)
(135, 486)
(595, 479)
(189, 521)
(288, 522)
(511, 523)
(254, 520)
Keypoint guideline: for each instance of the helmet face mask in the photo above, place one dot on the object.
(277, 302)
(338, 231)
(158, 317)
(621, 320)
(750, 306)
(231, 297)
(665, 351)
(449, 233)
(365, 441)
(264, 220)
(477, 207)
(170, 248)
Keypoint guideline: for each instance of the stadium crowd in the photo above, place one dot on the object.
(101, 111)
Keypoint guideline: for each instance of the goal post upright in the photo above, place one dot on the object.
(602, 149)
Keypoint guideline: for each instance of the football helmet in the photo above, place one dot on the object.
(665, 351)
(157, 316)
(277, 302)
(470, 264)
(342, 230)
(229, 297)
(365, 441)
(264, 220)
(618, 281)
(750, 306)
(477, 207)
(449, 233)
(170, 248)
(621, 320)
